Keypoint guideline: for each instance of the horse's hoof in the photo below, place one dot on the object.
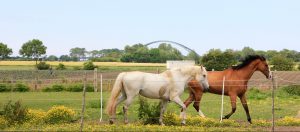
(249, 120)
(225, 117)
(126, 122)
(111, 122)
(182, 124)
(162, 124)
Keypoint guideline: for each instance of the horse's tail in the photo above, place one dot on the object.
(114, 94)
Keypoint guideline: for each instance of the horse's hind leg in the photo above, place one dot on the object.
(245, 105)
(189, 100)
(126, 106)
(121, 98)
(182, 114)
(233, 106)
(196, 104)
(163, 105)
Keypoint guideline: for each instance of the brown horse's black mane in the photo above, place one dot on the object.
(247, 61)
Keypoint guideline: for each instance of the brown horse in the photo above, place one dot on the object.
(236, 79)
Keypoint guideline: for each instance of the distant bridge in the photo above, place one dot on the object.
(181, 45)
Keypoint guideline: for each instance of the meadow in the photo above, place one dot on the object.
(260, 108)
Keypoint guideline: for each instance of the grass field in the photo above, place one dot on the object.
(210, 105)
(55, 63)
(103, 66)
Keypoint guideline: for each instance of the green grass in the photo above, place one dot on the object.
(210, 105)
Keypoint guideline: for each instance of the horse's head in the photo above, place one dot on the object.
(202, 78)
(264, 68)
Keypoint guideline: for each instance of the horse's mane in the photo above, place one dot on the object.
(248, 60)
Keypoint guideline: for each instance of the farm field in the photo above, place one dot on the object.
(55, 63)
(102, 66)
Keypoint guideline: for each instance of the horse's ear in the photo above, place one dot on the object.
(201, 67)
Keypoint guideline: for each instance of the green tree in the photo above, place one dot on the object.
(247, 51)
(78, 52)
(52, 58)
(281, 63)
(218, 60)
(4, 51)
(33, 49)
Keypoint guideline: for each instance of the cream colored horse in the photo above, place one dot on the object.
(167, 86)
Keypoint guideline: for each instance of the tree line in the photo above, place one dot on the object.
(214, 59)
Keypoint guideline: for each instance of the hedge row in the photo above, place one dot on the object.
(20, 87)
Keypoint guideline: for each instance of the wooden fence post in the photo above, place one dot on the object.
(101, 98)
(36, 80)
(95, 80)
(83, 102)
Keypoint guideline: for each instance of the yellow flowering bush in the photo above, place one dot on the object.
(260, 122)
(35, 116)
(59, 114)
(173, 119)
(3, 122)
(288, 121)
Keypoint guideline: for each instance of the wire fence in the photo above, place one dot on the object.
(210, 104)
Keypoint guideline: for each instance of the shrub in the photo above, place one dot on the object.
(61, 67)
(148, 113)
(59, 114)
(3, 122)
(281, 63)
(19, 87)
(89, 65)
(35, 116)
(79, 88)
(43, 66)
(105, 59)
(288, 121)
(255, 93)
(262, 123)
(5, 88)
(173, 119)
(14, 113)
(292, 89)
(54, 88)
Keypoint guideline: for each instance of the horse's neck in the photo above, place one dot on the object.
(247, 72)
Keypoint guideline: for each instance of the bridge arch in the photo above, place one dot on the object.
(178, 44)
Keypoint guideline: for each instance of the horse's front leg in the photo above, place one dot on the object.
(233, 106)
(163, 105)
(189, 100)
(183, 112)
(198, 95)
(244, 103)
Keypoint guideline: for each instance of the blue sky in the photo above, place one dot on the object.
(200, 25)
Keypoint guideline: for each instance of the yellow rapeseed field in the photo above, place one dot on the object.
(55, 63)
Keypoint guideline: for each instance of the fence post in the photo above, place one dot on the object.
(273, 104)
(222, 104)
(83, 101)
(101, 98)
(95, 80)
(36, 80)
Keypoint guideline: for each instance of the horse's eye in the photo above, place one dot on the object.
(204, 75)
